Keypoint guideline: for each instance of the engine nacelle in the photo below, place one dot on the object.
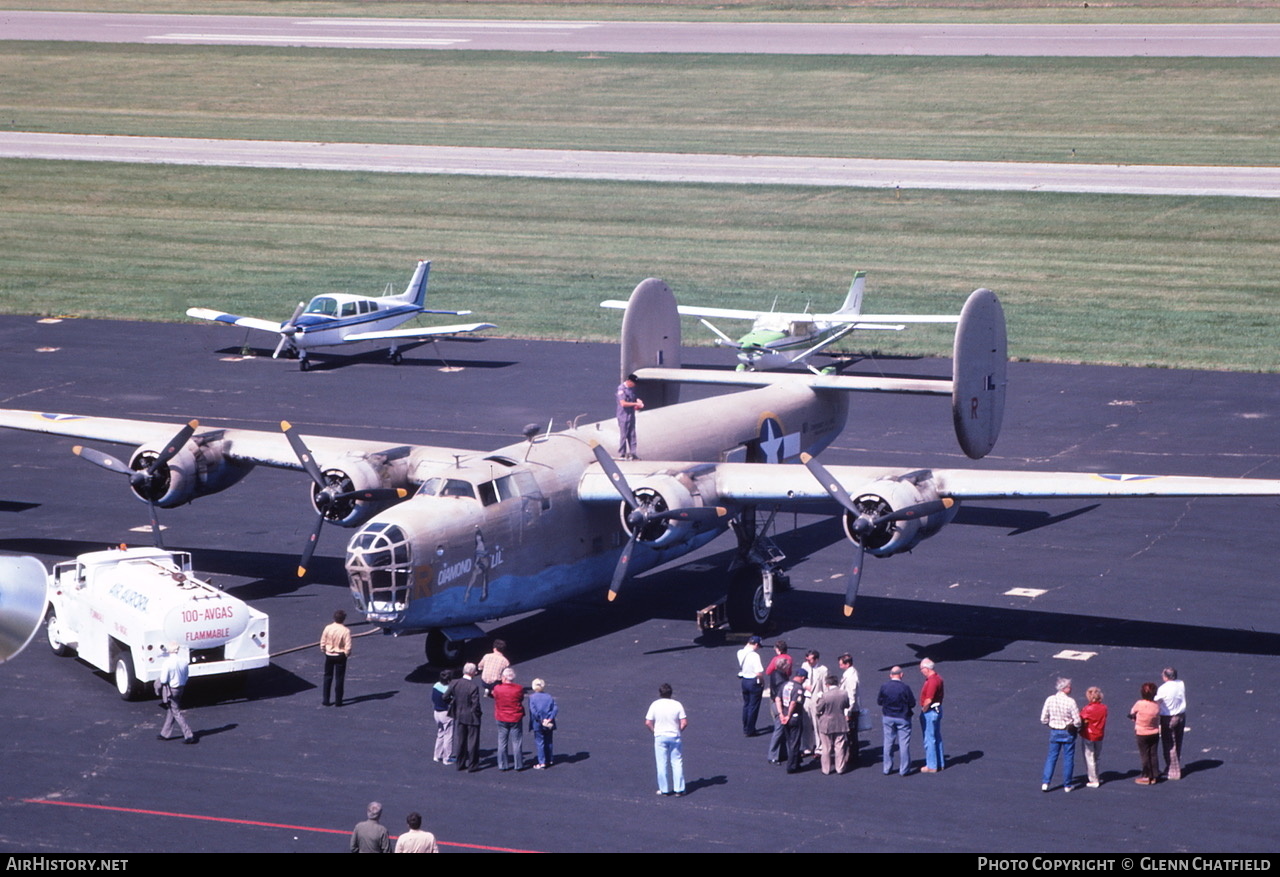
(198, 469)
(891, 537)
(344, 477)
(660, 493)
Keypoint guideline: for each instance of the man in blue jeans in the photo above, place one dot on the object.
(896, 703)
(1062, 716)
(751, 676)
(667, 720)
(931, 717)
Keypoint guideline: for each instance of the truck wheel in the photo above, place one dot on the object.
(442, 651)
(749, 603)
(126, 683)
(51, 630)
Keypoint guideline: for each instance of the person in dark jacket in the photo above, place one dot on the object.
(463, 701)
(896, 705)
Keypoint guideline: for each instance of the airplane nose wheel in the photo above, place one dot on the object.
(442, 651)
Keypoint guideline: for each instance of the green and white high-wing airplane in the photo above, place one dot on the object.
(779, 338)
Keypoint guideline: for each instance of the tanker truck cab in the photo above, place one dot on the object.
(118, 609)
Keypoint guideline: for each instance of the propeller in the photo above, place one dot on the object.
(288, 329)
(864, 522)
(330, 493)
(143, 481)
(643, 513)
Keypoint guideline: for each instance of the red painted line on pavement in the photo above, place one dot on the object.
(249, 822)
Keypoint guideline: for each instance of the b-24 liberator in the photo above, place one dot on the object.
(483, 534)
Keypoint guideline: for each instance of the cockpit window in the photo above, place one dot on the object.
(498, 489)
(323, 305)
(458, 487)
(447, 487)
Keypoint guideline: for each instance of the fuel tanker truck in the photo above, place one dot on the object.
(121, 609)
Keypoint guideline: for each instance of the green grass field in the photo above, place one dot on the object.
(1188, 282)
(1116, 111)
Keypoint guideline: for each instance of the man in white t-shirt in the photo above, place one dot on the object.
(415, 840)
(751, 676)
(666, 719)
(1172, 698)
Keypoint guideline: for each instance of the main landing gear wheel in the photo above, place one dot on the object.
(442, 651)
(51, 630)
(397, 358)
(303, 364)
(750, 601)
(126, 682)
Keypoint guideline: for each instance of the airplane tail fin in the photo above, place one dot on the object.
(416, 292)
(651, 339)
(979, 373)
(853, 301)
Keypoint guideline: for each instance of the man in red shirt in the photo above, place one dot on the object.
(931, 717)
(508, 712)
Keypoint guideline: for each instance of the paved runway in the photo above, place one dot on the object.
(1068, 40)
(1125, 588)
(563, 164)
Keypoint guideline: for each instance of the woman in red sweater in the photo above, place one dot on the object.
(1093, 719)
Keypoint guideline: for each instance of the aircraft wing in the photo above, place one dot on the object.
(883, 318)
(258, 447)
(864, 321)
(233, 320)
(429, 332)
(690, 311)
(851, 383)
(788, 484)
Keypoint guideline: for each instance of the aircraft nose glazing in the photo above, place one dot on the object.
(380, 571)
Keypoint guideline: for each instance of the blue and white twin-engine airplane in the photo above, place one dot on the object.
(341, 318)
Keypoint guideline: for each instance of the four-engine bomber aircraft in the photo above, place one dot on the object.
(779, 338)
(341, 318)
(490, 534)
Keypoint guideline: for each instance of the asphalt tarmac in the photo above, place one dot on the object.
(1121, 589)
